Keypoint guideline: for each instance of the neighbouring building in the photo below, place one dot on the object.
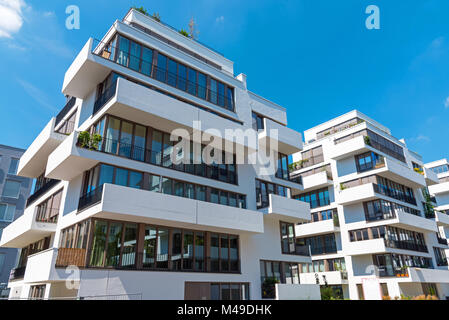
(14, 191)
(109, 199)
(373, 231)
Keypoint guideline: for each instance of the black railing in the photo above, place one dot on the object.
(442, 241)
(91, 198)
(442, 262)
(405, 245)
(105, 97)
(323, 249)
(142, 66)
(392, 272)
(158, 158)
(47, 186)
(302, 250)
(17, 273)
(67, 127)
(389, 193)
(68, 106)
(132, 260)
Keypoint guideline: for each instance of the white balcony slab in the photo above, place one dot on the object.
(68, 160)
(430, 176)
(316, 181)
(137, 103)
(33, 161)
(348, 148)
(442, 219)
(41, 266)
(439, 188)
(288, 210)
(288, 140)
(124, 203)
(297, 291)
(366, 247)
(364, 192)
(428, 275)
(332, 277)
(316, 228)
(401, 173)
(25, 230)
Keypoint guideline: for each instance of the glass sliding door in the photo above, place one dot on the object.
(123, 52)
(129, 246)
(147, 61)
(134, 59)
(112, 135)
(126, 138)
(176, 247)
(199, 251)
(99, 244)
(187, 251)
(114, 244)
(149, 248)
(162, 248)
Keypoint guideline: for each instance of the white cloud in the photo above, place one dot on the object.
(219, 19)
(446, 103)
(11, 18)
(38, 95)
(422, 138)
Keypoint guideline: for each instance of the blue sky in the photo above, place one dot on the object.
(314, 57)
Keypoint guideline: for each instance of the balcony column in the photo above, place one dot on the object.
(139, 246)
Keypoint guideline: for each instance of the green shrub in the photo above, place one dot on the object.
(84, 139)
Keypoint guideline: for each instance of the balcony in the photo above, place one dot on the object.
(439, 189)
(125, 203)
(348, 148)
(362, 193)
(285, 209)
(70, 257)
(442, 219)
(332, 277)
(317, 181)
(316, 228)
(68, 106)
(381, 245)
(430, 176)
(32, 226)
(400, 173)
(41, 266)
(33, 161)
(288, 140)
(140, 104)
(38, 193)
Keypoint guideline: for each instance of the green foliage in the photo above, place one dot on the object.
(342, 186)
(95, 140)
(367, 140)
(184, 33)
(141, 10)
(84, 139)
(156, 17)
(328, 293)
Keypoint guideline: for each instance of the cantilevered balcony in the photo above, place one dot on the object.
(401, 173)
(381, 245)
(349, 148)
(439, 189)
(129, 204)
(288, 141)
(33, 161)
(32, 226)
(316, 181)
(442, 218)
(430, 176)
(367, 192)
(317, 228)
(332, 277)
(285, 209)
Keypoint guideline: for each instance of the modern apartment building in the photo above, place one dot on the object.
(110, 200)
(14, 191)
(373, 231)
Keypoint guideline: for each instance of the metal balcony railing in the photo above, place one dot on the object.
(68, 106)
(36, 195)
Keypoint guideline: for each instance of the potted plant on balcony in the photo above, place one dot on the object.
(84, 139)
(94, 141)
(367, 140)
(269, 288)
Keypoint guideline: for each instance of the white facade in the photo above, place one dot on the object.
(349, 231)
(155, 104)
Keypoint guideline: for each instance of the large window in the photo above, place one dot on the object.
(115, 244)
(11, 189)
(316, 198)
(48, 210)
(319, 244)
(382, 210)
(284, 272)
(282, 167)
(128, 139)
(440, 256)
(288, 238)
(324, 215)
(368, 161)
(139, 58)
(389, 265)
(7, 212)
(440, 169)
(263, 189)
(13, 166)
(378, 142)
(394, 237)
(257, 121)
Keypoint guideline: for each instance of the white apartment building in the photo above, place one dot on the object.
(373, 232)
(112, 203)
